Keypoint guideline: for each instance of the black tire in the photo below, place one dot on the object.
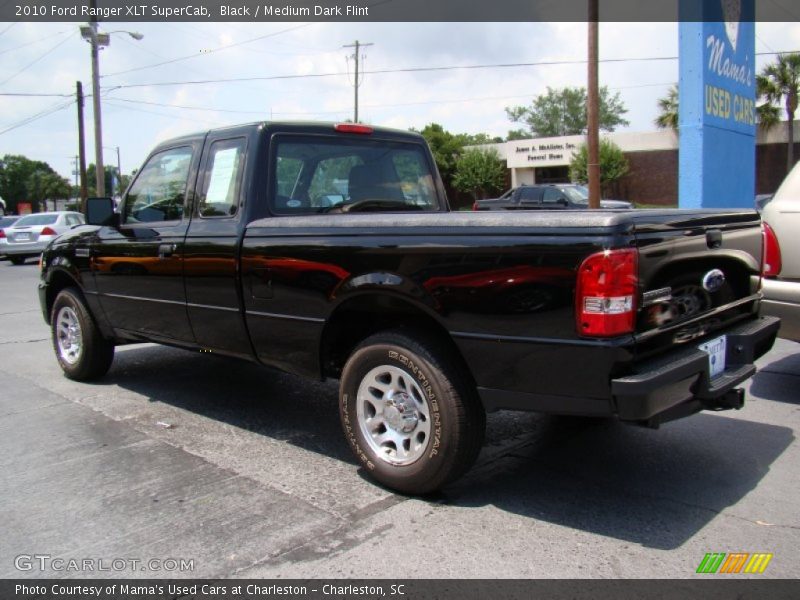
(422, 366)
(91, 357)
(17, 260)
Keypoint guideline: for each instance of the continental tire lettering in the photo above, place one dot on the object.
(430, 395)
(351, 436)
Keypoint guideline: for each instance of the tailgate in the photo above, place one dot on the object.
(699, 272)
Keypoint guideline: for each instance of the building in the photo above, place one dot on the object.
(652, 156)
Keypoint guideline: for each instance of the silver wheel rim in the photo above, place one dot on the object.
(68, 335)
(393, 415)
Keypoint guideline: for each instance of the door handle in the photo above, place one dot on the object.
(166, 250)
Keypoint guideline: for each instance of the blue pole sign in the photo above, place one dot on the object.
(717, 100)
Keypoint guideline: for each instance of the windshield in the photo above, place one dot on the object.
(577, 194)
(36, 220)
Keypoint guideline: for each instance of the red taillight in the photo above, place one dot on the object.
(475, 205)
(605, 297)
(2, 233)
(771, 263)
(48, 231)
(353, 128)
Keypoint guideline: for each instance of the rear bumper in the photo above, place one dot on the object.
(679, 383)
(26, 249)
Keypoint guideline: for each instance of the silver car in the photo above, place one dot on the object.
(30, 235)
(782, 283)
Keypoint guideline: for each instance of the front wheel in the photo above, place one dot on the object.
(409, 413)
(82, 352)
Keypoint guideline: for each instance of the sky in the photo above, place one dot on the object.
(145, 101)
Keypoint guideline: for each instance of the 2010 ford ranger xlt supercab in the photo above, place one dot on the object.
(329, 251)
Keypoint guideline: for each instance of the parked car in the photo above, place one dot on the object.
(5, 222)
(30, 234)
(782, 261)
(547, 196)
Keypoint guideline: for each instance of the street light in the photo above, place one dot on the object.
(98, 40)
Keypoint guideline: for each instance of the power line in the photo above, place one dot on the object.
(408, 70)
(26, 67)
(36, 41)
(344, 110)
(229, 46)
(9, 27)
(37, 116)
(34, 95)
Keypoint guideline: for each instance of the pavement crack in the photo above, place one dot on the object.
(23, 341)
(334, 541)
(784, 373)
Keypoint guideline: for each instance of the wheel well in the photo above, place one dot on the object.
(58, 281)
(362, 316)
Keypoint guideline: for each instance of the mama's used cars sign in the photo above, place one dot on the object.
(717, 104)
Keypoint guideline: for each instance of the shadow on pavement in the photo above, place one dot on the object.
(779, 380)
(656, 488)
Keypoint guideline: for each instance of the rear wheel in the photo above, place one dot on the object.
(82, 352)
(17, 260)
(411, 417)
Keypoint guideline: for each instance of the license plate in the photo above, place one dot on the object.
(22, 237)
(716, 355)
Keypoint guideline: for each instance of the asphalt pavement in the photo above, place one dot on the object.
(232, 470)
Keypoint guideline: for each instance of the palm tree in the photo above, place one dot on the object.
(777, 81)
(668, 107)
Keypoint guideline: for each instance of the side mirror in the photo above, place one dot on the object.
(100, 211)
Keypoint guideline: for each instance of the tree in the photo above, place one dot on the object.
(563, 112)
(781, 81)
(26, 180)
(668, 110)
(479, 172)
(446, 148)
(111, 180)
(613, 164)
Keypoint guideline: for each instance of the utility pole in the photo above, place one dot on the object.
(357, 45)
(100, 171)
(81, 146)
(593, 110)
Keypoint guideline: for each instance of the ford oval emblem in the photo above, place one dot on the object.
(713, 280)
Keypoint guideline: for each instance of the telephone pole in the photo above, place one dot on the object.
(593, 110)
(357, 45)
(81, 145)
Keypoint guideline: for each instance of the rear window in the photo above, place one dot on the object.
(337, 175)
(37, 220)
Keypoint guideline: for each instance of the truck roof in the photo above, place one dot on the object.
(289, 126)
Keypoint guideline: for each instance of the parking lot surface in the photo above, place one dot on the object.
(245, 472)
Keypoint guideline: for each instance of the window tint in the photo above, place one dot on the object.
(530, 194)
(552, 195)
(36, 220)
(223, 179)
(159, 190)
(318, 175)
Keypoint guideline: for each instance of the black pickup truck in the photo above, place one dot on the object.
(329, 251)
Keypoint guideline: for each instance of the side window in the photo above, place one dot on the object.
(552, 195)
(222, 179)
(159, 191)
(530, 195)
